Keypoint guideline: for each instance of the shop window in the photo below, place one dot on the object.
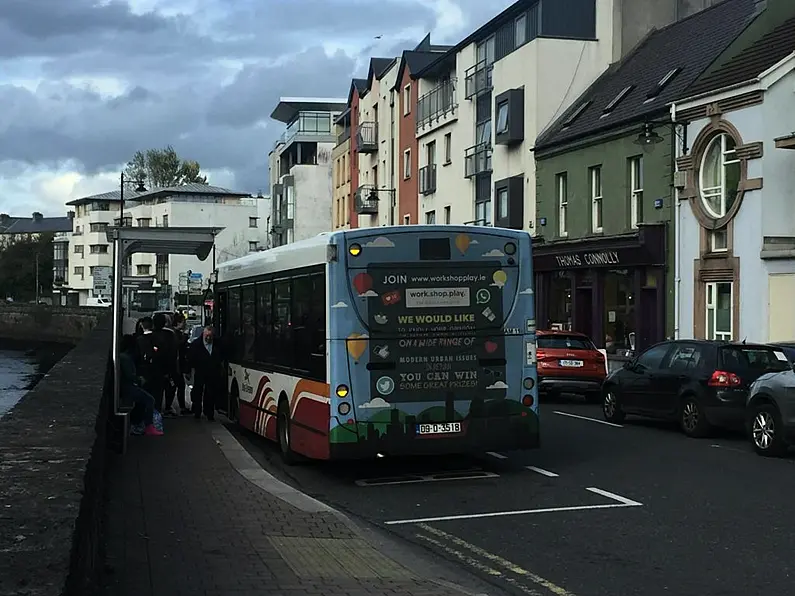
(619, 317)
(719, 310)
(720, 174)
(560, 312)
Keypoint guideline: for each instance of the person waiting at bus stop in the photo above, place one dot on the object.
(130, 388)
(206, 360)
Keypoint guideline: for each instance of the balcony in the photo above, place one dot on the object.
(428, 179)
(344, 135)
(309, 126)
(478, 79)
(367, 137)
(437, 103)
(478, 222)
(477, 160)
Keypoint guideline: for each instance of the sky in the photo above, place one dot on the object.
(86, 83)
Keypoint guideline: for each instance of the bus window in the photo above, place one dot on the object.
(264, 352)
(282, 324)
(248, 303)
(233, 335)
(302, 313)
(318, 326)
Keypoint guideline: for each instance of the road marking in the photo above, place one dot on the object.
(543, 472)
(605, 422)
(725, 448)
(497, 455)
(418, 478)
(500, 562)
(615, 497)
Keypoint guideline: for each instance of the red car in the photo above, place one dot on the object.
(568, 362)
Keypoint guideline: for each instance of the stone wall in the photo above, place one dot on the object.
(33, 322)
(53, 459)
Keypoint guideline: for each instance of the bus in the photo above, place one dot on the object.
(390, 341)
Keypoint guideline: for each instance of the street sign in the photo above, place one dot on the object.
(103, 280)
(195, 275)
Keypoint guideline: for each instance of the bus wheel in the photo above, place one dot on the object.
(283, 432)
(234, 406)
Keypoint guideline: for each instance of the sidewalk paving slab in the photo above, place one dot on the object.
(183, 521)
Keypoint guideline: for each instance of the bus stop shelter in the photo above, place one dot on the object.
(127, 240)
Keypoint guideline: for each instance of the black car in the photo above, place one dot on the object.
(698, 383)
(788, 347)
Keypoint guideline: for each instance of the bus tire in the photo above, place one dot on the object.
(234, 405)
(283, 433)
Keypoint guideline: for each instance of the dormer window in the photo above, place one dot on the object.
(657, 89)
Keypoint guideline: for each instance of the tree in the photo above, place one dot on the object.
(18, 267)
(163, 167)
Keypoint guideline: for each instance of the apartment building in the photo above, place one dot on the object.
(300, 167)
(341, 167)
(156, 278)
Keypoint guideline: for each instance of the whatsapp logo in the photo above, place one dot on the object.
(483, 296)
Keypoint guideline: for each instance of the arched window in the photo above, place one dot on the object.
(720, 173)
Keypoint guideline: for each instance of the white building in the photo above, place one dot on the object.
(157, 277)
(300, 167)
(736, 222)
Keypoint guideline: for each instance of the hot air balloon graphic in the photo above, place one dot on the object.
(499, 278)
(362, 282)
(462, 242)
(357, 345)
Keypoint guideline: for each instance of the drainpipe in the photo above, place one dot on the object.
(677, 232)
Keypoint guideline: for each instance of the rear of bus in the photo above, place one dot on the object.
(432, 341)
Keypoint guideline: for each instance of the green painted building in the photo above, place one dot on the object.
(604, 246)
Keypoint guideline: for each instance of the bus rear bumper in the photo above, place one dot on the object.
(480, 435)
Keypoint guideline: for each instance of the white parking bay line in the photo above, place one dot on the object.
(605, 422)
(542, 471)
(497, 455)
(615, 497)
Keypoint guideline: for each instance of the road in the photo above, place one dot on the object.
(599, 510)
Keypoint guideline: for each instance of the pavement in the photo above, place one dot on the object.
(599, 509)
(192, 513)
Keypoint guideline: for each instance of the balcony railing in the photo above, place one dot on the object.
(478, 79)
(344, 135)
(477, 160)
(428, 179)
(367, 137)
(436, 103)
(478, 222)
(318, 126)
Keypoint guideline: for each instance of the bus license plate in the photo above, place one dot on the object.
(571, 363)
(442, 428)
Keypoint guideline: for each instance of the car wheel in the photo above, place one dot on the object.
(611, 407)
(283, 432)
(766, 431)
(692, 419)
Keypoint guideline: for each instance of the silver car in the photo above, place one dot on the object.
(771, 413)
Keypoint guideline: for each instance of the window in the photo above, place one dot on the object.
(407, 164)
(161, 269)
(78, 249)
(248, 302)
(560, 303)
(636, 191)
(430, 149)
(233, 324)
(165, 221)
(407, 99)
(253, 246)
(483, 132)
(564, 342)
(144, 222)
(252, 222)
(596, 199)
(719, 310)
(502, 203)
(719, 176)
(447, 214)
(99, 227)
(448, 148)
(282, 321)
(617, 99)
(264, 350)
(502, 118)
(430, 217)
(653, 357)
(142, 269)
(79, 271)
(485, 51)
(562, 190)
(520, 30)
(719, 240)
(685, 357)
(483, 213)
(406, 220)
(99, 249)
(619, 311)
(290, 202)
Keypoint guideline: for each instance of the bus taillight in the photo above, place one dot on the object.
(342, 391)
(527, 400)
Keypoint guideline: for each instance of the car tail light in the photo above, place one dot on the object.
(540, 354)
(724, 379)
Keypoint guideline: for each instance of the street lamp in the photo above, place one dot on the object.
(139, 188)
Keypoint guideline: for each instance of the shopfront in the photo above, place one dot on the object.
(612, 288)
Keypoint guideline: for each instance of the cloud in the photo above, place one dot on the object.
(380, 242)
(340, 304)
(376, 402)
(497, 385)
(368, 294)
(527, 292)
(493, 253)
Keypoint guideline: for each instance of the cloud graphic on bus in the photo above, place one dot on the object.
(493, 253)
(339, 304)
(527, 292)
(497, 385)
(380, 242)
(368, 294)
(376, 402)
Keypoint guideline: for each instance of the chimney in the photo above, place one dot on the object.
(37, 217)
(4, 218)
(70, 214)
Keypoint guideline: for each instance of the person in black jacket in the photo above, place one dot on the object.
(165, 361)
(207, 361)
(175, 383)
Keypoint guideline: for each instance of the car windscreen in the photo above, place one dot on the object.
(759, 359)
(564, 342)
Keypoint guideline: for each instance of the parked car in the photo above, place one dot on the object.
(99, 301)
(568, 362)
(770, 414)
(788, 347)
(698, 383)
